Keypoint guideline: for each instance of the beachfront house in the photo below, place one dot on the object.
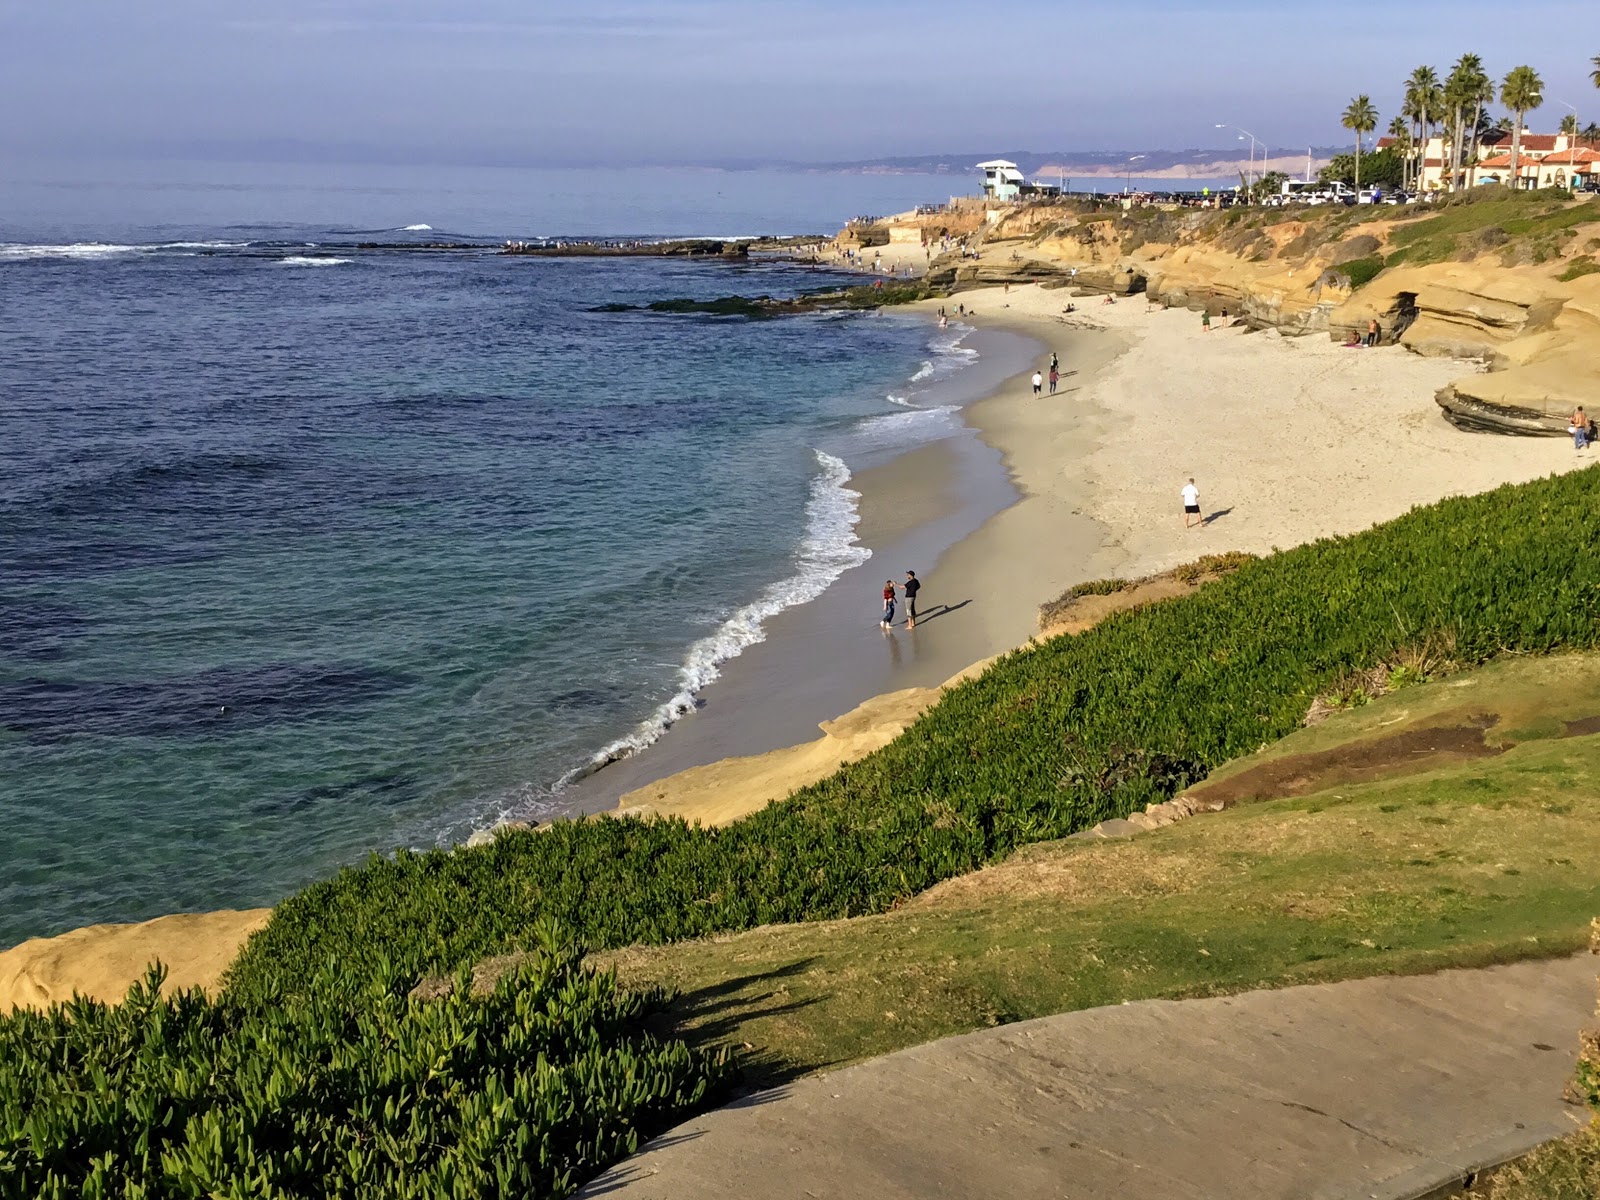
(1547, 160)
(1001, 179)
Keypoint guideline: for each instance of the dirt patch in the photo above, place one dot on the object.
(1582, 727)
(1083, 613)
(1401, 753)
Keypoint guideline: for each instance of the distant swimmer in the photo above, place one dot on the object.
(1038, 383)
(888, 604)
(1191, 504)
(911, 587)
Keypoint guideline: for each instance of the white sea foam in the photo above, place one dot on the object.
(826, 552)
(902, 401)
(13, 251)
(19, 251)
(415, 228)
(302, 260)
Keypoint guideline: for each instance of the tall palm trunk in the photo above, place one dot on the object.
(1455, 147)
(1477, 126)
(1516, 154)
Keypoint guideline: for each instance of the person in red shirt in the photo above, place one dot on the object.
(888, 604)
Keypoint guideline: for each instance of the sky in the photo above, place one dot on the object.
(620, 82)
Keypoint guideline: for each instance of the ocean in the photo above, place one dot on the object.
(308, 551)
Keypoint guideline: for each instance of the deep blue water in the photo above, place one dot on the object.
(306, 557)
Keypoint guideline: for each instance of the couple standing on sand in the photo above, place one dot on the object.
(910, 587)
(1055, 376)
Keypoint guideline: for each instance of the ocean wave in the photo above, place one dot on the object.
(304, 260)
(902, 401)
(901, 428)
(827, 551)
(418, 228)
(949, 355)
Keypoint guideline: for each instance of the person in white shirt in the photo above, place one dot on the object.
(1191, 505)
(1038, 382)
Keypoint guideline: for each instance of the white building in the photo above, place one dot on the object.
(1001, 179)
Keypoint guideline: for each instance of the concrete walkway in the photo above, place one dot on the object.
(1375, 1088)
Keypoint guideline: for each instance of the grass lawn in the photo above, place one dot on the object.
(1568, 1169)
(1483, 859)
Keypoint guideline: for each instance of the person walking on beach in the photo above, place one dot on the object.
(1578, 427)
(1373, 333)
(888, 604)
(1205, 321)
(1054, 360)
(1038, 383)
(1191, 505)
(1055, 378)
(910, 587)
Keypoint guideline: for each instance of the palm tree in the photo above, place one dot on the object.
(1422, 88)
(1591, 134)
(1400, 133)
(1569, 124)
(1482, 94)
(1594, 75)
(1362, 118)
(1467, 90)
(1521, 91)
(1456, 88)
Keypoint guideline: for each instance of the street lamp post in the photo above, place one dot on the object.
(1250, 177)
(1127, 173)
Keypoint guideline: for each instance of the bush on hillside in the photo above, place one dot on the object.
(521, 1093)
(1362, 271)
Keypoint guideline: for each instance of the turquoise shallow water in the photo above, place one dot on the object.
(302, 559)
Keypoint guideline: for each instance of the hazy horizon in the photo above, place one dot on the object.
(709, 82)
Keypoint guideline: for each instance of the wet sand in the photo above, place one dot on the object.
(990, 519)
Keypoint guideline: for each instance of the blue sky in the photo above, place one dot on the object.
(620, 81)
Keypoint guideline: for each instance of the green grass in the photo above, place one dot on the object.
(281, 1079)
(1052, 739)
(1530, 217)
(1583, 265)
(1362, 270)
(1478, 863)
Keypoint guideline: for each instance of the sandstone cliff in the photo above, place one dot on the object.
(1509, 280)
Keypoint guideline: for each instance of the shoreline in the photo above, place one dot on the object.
(980, 508)
(821, 658)
(1291, 440)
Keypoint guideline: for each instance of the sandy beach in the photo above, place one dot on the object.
(1288, 440)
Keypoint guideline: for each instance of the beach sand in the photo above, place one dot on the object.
(1289, 440)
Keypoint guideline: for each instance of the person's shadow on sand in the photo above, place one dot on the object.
(1217, 516)
(939, 610)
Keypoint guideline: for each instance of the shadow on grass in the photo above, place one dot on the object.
(715, 1015)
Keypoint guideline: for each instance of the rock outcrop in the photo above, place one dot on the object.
(1526, 316)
